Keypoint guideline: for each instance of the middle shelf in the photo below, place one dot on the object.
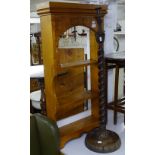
(119, 33)
(78, 63)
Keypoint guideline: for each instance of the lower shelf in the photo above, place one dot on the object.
(77, 128)
(64, 114)
(73, 100)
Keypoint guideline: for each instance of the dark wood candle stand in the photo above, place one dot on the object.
(100, 139)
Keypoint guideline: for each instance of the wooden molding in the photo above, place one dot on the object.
(60, 8)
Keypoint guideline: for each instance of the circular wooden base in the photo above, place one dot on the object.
(102, 141)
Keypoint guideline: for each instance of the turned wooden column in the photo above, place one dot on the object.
(100, 139)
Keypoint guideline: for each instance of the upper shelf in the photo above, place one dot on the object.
(119, 33)
(78, 63)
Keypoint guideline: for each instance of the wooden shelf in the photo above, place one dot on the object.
(78, 63)
(73, 100)
(66, 89)
(76, 128)
(119, 33)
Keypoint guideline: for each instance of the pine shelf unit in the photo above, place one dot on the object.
(64, 68)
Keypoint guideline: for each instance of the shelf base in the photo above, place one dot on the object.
(77, 128)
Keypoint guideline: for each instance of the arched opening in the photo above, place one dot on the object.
(73, 82)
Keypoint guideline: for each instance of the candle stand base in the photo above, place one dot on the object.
(102, 141)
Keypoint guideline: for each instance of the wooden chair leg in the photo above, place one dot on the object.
(124, 119)
(31, 108)
(124, 92)
(116, 93)
(106, 89)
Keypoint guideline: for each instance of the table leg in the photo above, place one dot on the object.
(116, 93)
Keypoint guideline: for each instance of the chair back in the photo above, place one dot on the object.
(44, 136)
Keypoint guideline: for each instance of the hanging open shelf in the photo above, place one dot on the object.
(64, 69)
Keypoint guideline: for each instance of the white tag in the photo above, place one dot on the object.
(100, 38)
(93, 24)
(99, 142)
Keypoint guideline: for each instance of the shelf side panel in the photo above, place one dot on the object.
(94, 73)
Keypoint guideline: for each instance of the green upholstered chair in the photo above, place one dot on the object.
(44, 136)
